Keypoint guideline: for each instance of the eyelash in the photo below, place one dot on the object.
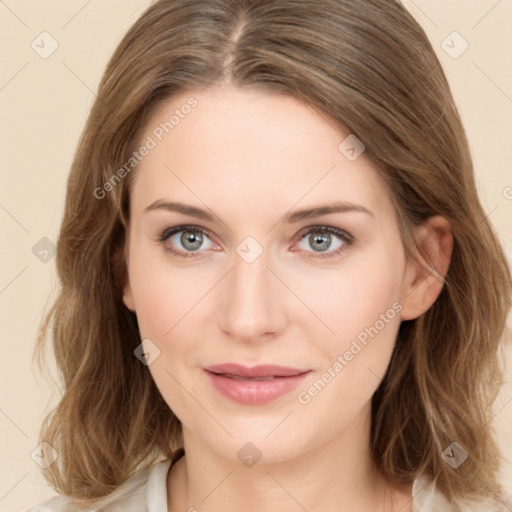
(343, 235)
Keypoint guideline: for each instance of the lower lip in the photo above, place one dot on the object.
(255, 392)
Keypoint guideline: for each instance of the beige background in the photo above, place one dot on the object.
(45, 103)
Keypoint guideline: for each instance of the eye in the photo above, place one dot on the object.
(320, 238)
(188, 239)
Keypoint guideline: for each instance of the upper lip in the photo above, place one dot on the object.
(264, 370)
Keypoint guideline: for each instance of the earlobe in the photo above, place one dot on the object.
(425, 275)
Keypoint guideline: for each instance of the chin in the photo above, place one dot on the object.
(251, 446)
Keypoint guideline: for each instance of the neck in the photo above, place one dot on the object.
(334, 475)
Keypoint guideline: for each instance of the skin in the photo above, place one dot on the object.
(251, 157)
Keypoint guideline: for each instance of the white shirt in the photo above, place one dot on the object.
(146, 491)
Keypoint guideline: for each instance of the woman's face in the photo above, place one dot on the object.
(244, 271)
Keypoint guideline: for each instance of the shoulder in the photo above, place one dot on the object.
(147, 484)
(426, 498)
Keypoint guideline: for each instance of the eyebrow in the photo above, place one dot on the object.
(289, 218)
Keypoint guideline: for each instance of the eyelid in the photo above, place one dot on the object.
(325, 228)
(166, 233)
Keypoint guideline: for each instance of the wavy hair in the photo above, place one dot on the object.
(369, 66)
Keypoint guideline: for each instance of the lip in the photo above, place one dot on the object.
(262, 370)
(257, 385)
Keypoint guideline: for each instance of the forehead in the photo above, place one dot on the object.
(251, 148)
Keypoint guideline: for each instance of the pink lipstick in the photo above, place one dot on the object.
(257, 385)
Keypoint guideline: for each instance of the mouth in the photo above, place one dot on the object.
(257, 385)
(260, 372)
(237, 377)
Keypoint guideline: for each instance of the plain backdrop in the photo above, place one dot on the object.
(44, 102)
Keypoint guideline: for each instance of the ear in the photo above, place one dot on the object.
(424, 278)
(122, 280)
(127, 295)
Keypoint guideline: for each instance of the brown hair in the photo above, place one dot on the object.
(368, 65)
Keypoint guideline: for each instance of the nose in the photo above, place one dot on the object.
(252, 305)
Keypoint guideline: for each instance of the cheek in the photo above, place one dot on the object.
(154, 304)
(355, 296)
(360, 305)
(167, 301)
(163, 293)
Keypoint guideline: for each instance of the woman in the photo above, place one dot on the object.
(279, 288)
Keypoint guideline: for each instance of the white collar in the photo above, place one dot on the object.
(156, 487)
(424, 496)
